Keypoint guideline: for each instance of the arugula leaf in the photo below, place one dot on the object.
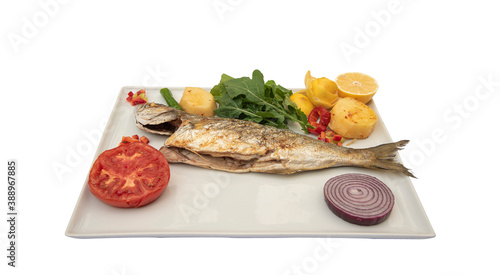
(255, 100)
(216, 90)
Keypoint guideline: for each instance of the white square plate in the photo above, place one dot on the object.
(202, 202)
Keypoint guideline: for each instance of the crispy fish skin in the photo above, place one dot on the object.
(241, 146)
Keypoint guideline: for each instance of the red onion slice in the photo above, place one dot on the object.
(358, 198)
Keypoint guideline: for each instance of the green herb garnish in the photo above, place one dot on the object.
(252, 99)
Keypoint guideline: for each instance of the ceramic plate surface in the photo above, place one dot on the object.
(208, 203)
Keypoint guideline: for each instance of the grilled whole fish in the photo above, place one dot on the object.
(241, 146)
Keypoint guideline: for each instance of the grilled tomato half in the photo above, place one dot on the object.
(130, 175)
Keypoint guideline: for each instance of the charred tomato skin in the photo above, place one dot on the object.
(130, 175)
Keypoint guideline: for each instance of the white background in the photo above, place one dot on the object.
(63, 63)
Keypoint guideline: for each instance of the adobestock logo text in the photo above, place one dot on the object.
(363, 36)
(32, 25)
(454, 118)
(75, 154)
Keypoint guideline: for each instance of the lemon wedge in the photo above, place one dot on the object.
(357, 85)
(303, 102)
(321, 91)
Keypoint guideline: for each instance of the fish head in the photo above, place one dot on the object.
(158, 118)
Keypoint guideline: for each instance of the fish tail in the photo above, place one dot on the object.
(384, 157)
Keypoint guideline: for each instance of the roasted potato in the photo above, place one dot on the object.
(352, 118)
(198, 101)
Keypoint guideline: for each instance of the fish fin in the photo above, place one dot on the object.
(385, 155)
